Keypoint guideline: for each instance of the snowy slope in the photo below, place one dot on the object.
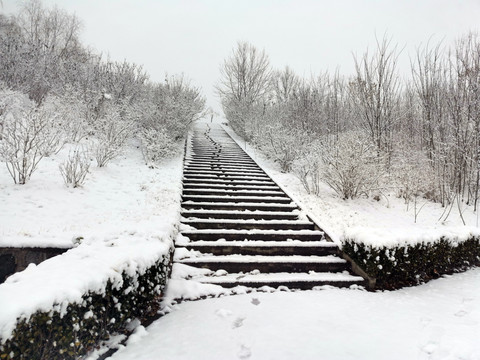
(125, 195)
(126, 216)
(386, 222)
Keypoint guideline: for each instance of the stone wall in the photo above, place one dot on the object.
(13, 260)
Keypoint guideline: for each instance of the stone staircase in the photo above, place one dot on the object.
(240, 228)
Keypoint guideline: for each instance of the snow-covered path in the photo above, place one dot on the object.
(438, 320)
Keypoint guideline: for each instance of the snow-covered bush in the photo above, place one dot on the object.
(413, 174)
(112, 136)
(284, 145)
(12, 103)
(412, 264)
(177, 105)
(69, 331)
(156, 144)
(309, 169)
(353, 166)
(28, 136)
(75, 168)
(71, 115)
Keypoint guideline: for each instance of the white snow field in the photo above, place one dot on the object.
(438, 320)
(124, 196)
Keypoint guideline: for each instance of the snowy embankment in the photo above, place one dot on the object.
(122, 220)
(438, 320)
(387, 222)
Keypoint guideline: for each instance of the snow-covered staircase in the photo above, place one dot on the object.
(240, 228)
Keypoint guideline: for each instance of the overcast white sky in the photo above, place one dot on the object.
(194, 36)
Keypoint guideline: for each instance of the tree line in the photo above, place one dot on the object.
(370, 132)
(54, 90)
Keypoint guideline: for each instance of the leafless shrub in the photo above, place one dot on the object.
(156, 144)
(75, 168)
(111, 138)
(309, 170)
(27, 138)
(353, 166)
(284, 145)
(70, 113)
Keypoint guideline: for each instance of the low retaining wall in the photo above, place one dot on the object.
(13, 260)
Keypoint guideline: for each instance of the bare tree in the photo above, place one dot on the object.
(376, 91)
(244, 82)
(245, 75)
(27, 139)
(112, 135)
(283, 84)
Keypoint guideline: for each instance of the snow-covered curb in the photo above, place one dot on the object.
(378, 237)
(65, 279)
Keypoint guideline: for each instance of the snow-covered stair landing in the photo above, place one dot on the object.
(240, 228)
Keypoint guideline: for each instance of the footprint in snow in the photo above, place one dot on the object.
(255, 301)
(238, 323)
(223, 313)
(429, 348)
(244, 352)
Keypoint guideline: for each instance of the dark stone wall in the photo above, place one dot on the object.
(7, 266)
(13, 260)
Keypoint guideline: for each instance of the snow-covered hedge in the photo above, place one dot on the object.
(66, 305)
(406, 264)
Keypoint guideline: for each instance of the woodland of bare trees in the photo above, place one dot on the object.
(54, 90)
(372, 132)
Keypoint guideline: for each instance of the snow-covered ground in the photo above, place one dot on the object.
(438, 320)
(126, 216)
(124, 196)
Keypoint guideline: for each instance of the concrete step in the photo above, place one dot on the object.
(240, 215)
(300, 281)
(205, 160)
(232, 158)
(244, 199)
(265, 235)
(197, 166)
(267, 264)
(223, 171)
(266, 187)
(271, 248)
(219, 152)
(225, 175)
(229, 181)
(250, 164)
(203, 191)
(249, 224)
(189, 176)
(191, 205)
